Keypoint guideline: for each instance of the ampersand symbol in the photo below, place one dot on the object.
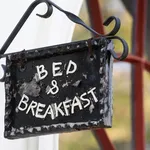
(53, 90)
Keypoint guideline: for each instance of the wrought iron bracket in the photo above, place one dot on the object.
(73, 18)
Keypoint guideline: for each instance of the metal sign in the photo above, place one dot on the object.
(60, 88)
(57, 89)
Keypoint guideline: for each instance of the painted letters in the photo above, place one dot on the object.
(85, 99)
(54, 89)
(42, 73)
(65, 108)
(69, 68)
(93, 94)
(55, 67)
(76, 103)
(23, 102)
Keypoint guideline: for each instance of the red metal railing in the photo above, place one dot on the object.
(137, 83)
(138, 135)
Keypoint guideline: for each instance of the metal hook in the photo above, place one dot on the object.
(125, 48)
(70, 15)
(49, 11)
(77, 20)
(116, 27)
(21, 23)
(23, 20)
(73, 18)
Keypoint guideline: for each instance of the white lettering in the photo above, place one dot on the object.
(66, 106)
(42, 73)
(76, 102)
(38, 110)
(85, 99)
(23, 102)
(71, 63)
(94, 97)
(50, 112)
(54, 90)
(31, 107)
(58, 109)
(54, 69)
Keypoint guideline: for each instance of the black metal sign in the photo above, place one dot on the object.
(60, 88)
(57, 89)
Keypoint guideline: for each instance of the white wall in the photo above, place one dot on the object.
(36, 32)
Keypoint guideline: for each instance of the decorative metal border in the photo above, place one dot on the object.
(99, 43)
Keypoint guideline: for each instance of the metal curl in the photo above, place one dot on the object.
(77, 20)
(73, 18)
(70, 15)
(23, 20)
(116, 27)
(49, 11)
(20, 24)
(125, 48)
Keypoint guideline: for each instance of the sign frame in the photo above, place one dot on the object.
(90, 45)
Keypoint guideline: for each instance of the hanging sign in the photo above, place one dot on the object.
(58, 89)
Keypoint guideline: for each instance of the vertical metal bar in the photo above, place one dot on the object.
(95, 16)
(97, 24)
(103, 139)
(132, 76)
(137, 83)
